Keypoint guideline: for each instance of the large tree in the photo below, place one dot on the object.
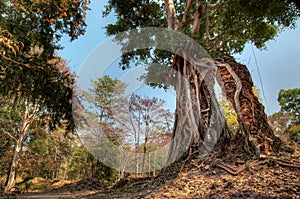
(35, 85)
(222, 27)
(42, 96)
(102, 102)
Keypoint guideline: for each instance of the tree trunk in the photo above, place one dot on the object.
(28, 118)
(12, 170)
(11, 178)
(236, 82)
(145, 146)
(93, 166)
(198, 121)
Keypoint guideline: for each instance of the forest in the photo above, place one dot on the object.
(59, 139)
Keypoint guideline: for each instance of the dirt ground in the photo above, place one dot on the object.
(267, 177)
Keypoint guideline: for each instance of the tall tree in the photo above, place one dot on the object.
(221, 27)
(147, 113)
(106, 95)
(32, 83)
(43, 96)
(104, 101)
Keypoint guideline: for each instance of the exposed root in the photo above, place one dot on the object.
(281, 162)
(237, 171)
(263, 160)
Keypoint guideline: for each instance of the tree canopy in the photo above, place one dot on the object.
(35, 84)
(29, 35)
(289, 101)
(223, 26)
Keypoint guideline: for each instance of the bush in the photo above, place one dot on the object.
(294, 133)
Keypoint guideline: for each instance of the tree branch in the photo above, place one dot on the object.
(207, 25)
(4, 131)
(171, 14)
(186, 16)
(10, 135)
(197, 18)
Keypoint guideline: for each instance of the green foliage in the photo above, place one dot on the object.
(84, 165)
(5, 150)
(106, 97)
(40, 23)
(107, 175)
(46, 153)
(233, 23)
(35, 85)
(34, 95)
(229, 114)
(80, 166)
(287, 121)
(294, 132)
(43, 153)
(289, 101)
(134, 14)
(49, 90)
(107, 92)
(254, 21)
(156, 76)
(29, 35)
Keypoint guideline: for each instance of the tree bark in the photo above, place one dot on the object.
(199, 124)
(27, 119)
(11, 179)
(145, 149)
(171, 14)
(198, 121)
(237, 84)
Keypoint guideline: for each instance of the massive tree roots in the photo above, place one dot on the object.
(237, 84)
(199, 123)
(199, 126)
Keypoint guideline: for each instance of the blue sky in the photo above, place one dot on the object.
(278, 66)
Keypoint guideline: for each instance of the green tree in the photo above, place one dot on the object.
(294, 133)
(107, 95)
(221, 27)
(32, 85)
(288, 119)
(289, 101)
(106, 98)
(43, 96)
(45, 154)
(280, 122)
(80, 165)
